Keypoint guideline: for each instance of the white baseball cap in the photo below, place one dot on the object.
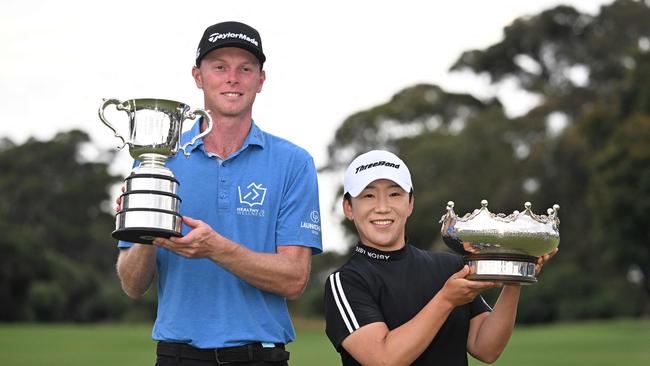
(375, 164)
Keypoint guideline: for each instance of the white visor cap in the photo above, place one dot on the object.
(373, 165)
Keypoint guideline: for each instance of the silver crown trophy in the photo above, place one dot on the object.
(150, 205)
(498, 247)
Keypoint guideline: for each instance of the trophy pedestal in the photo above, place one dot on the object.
(143, 225)
(507, 268)
(150, 206)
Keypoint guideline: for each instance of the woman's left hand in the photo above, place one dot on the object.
(543, 259)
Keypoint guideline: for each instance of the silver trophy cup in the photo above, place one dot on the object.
(150, 205)
(498, 247)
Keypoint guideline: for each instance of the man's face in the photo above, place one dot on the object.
(379, 213)
(230, 78)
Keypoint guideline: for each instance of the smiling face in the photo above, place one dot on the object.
(379, 213)
(230, 78)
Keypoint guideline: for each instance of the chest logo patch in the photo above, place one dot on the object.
(252, 195)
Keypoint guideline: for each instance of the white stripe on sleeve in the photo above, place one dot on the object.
(338, 302)
(345, 301)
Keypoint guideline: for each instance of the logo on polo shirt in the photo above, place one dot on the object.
(314, 225)
(252, 195)
(315, 216)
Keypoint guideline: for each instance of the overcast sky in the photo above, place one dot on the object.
(325, 61)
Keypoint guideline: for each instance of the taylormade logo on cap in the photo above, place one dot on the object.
(373, 165)
(217, 36)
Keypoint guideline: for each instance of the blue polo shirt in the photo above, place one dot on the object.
(263, 196)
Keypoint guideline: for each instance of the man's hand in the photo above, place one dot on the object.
(202, 241)
(118, 200)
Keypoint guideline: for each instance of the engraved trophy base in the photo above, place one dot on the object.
(150, 205)
(506, 268)
(143, 225)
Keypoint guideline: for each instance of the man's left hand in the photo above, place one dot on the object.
(200, 242)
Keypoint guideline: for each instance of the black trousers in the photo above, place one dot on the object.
(177, 354)
(173, 361)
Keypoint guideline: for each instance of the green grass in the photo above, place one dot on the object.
(620, 342)
(70, 345)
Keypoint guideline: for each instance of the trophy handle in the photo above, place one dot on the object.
(118, 105)
(192, 115)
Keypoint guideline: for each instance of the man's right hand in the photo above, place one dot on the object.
(118, 200)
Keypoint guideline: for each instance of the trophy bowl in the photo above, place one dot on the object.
(150, 205)
(498, 247)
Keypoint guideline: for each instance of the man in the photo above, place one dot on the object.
(395, 304)
(251, 223)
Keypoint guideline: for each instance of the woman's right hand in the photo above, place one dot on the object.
(459, 291)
